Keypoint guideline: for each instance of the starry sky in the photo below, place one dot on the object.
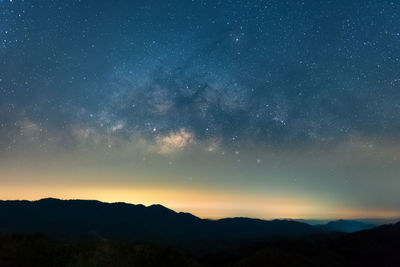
(269, 109)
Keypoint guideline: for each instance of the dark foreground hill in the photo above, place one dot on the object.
(72, 220)
(376, 247)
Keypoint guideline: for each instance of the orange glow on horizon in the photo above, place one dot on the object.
(202, 203)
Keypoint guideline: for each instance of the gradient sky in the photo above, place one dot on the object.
(269, 109)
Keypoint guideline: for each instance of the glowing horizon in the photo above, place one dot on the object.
(204, 203)
(217, 108)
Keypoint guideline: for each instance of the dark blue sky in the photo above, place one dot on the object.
(196, 75)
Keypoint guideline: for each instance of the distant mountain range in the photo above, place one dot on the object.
(87, 219)
(80, 219)
(53, 232)
(348, 226)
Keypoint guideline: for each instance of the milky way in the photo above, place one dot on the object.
(260, 84)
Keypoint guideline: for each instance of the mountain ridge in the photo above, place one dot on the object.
(118, 220)
(78, 219)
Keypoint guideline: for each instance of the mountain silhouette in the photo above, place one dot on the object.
(53, 232)
(348, 226)
(80, 219)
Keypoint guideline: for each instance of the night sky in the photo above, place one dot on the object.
(269, 109)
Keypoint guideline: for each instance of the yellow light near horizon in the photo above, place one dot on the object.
(202, 203)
